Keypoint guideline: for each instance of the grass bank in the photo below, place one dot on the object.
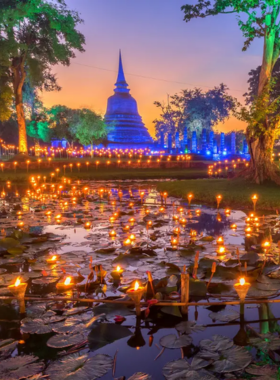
(236, 193)
(22, 176)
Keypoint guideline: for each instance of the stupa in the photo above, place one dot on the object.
(126, 129)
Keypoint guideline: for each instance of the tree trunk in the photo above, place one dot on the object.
(37, 147)
(18, 81)
(261, 144)
(261, 167)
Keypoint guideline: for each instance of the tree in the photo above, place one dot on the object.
(91, 128)
(34, 36)
(195, 109)
(62, 121)
(260, 19)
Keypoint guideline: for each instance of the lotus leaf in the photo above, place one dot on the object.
(234, 359)
(181, 370)
(19, 367)
(62, 341)
(225, 315)
(76, 367)
(217, 343)
(262, 370)
(266, 342)
(188, 327)
(140, 376)
(172, 341)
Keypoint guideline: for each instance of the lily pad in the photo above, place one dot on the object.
(266, 342)
(140, 376)
(225, 315)
(80, 367)
(19, 367)
(217, 343)
(181, 369)
(234, 359)
(262, 370)
(172, 341)
(188, 327)
(62, 341)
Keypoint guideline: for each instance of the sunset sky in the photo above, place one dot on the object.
(161, 55)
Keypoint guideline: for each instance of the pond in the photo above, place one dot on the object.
(82, 232)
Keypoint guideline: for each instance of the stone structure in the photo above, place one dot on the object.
(126, 129)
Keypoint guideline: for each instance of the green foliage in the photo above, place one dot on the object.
(195, 109)
(260, 16)
(91, 128)
(39, 130)
(264, 108)
(62, 121)
(34, 36)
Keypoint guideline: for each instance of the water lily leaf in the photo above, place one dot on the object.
(106, 333)
(225, 315)
(39, 326)
(181, 370)
(207, 238)
(266, 342)
(233, 359)
(217, 343)
(16, 250)
(75, 310)
(172, 341)
(76, 367)
(45, 280)
(140, 376)
(62, 341)
(19, 367)
(7, 345)
(262, 370)
(9, 243)
(35, 327)
(188, 327)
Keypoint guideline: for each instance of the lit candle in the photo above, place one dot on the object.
(218, 198)
(242, 288)
(66, 285)
(18, 289)
(87, 225)
(221, 250)
(233, 226)
(220, 240)
(52, 260)
(136, 294)
(112, 233)
(117, 273)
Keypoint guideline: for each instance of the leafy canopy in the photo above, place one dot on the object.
(261, 17)
(90, 128)
(195, 109)
(35, 35)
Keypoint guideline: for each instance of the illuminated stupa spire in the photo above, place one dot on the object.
(126, 128)
(121, 85)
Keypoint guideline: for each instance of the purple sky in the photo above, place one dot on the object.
(155, 43)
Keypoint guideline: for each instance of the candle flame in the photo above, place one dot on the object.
(17, 283)
(136, 286)
(67, 281)
(242, 281)
(53, 258)
(118, 268)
